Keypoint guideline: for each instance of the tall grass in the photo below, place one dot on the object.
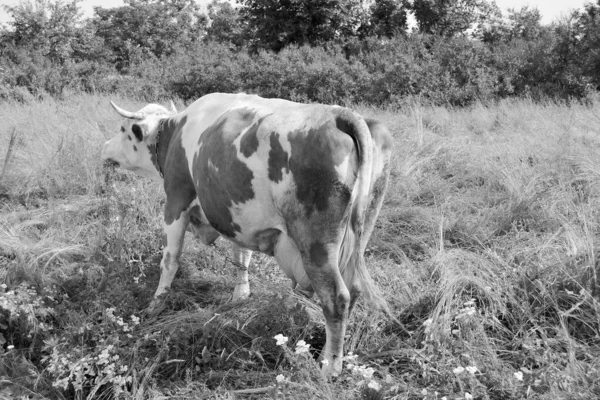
(485, 249)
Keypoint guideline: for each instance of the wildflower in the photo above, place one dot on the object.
(135, 320)
(351, 357)
(10, 347)
(428, 322)
(458, 370)
(302, 347)
(470, 303)
(471, 369)
(280, 378)
(281, 340)
(324, 362)
(468, 396)
(424, 392)
(518, 375)
(367, 373)
(374, 385)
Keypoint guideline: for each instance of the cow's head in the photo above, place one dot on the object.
(135, 147)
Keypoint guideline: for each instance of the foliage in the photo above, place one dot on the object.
(276, 24)
(450, 17)
(388, 18)
(334, 52)
(156, 26)
(225, 23)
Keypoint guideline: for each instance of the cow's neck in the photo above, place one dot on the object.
(166, 129)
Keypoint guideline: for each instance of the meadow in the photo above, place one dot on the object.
(485, 249)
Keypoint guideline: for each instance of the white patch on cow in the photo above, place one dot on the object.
(290, 261)
(342, 169)
(213, 166)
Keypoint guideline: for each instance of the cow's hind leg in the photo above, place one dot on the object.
(241, 261)
(319, 263)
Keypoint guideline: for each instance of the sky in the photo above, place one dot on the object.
(550, 9)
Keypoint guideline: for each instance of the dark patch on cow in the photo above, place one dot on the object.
(201, 229)
(315, 153)
(178, 183)
(134, 147)
(344, 124)
(137, 132)
(195, 216)
(381, 136)
(249, 142)
(318, 254)
(221, 179)
(278, 159)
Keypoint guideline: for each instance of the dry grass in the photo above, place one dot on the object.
(485, 249)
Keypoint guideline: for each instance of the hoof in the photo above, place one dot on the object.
(330, 370)
(156, 306)
(241, 291)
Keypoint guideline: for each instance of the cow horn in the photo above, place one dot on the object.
(173, 108)
(126, 114)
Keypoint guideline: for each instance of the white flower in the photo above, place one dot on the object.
(350, 357)
(471, 369)
(324, 362)
(280, 378)
(10, 347)
(470, 303)
(374, 385)
(367, 373)
(424, 392)
(458, 370)
(302, 347)
(135, 320)
(468, 396)
(281, 340)
(428, 322)
(518, 375)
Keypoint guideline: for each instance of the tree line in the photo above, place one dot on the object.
(333, 51)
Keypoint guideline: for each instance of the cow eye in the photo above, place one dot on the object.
(137, 131)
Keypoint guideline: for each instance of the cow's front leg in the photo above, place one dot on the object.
(174, 234)
(241, 261)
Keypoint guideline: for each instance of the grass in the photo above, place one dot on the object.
(485, 249)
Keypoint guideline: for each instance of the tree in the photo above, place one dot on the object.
(159, 27)
(450, 17)
(225, 23)
(586, 34)
(50, 27)
(388, 17)
(524, 24)
(276, 23)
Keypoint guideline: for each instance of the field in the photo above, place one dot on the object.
(485, 250)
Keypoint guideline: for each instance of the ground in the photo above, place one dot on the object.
(485, 250)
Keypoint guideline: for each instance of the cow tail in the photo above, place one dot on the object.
(352, 262)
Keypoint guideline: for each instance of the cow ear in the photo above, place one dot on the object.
(137, 131)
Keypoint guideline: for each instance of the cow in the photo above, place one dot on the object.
(303, 183)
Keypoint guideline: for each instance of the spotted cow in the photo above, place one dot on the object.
(301, 182)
